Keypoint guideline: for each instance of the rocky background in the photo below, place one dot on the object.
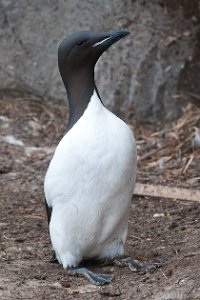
(141, 77)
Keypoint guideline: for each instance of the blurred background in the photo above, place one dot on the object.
(142, 76)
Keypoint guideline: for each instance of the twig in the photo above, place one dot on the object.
(188, 163)
(189, 255)
(167, 192)
(163, 274)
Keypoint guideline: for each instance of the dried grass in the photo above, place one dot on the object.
(174, 152)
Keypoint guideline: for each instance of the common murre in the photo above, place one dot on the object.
(91, 177)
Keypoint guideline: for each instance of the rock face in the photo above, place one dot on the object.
(139, 76)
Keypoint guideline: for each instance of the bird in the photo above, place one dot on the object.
(91, 176)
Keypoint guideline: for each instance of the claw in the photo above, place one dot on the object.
(153, 266)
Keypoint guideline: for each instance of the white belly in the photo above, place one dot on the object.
(89, 185)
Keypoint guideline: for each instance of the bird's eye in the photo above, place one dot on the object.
(80, 42)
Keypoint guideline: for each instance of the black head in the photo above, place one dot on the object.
(82, 49)
(77, 56)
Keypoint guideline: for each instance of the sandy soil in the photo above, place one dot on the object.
(160, 230)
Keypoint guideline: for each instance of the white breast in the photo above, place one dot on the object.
(89, 185)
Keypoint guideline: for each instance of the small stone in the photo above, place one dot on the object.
(169, 272)
(173, 225)
(65, 283)
(110, 291)
(158, 215)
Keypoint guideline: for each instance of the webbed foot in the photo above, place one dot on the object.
(136, 265)
(96, 279)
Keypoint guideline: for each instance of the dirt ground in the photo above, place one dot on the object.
(160, 230)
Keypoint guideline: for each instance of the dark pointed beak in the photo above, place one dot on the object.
(118, 35)
(108, 39)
